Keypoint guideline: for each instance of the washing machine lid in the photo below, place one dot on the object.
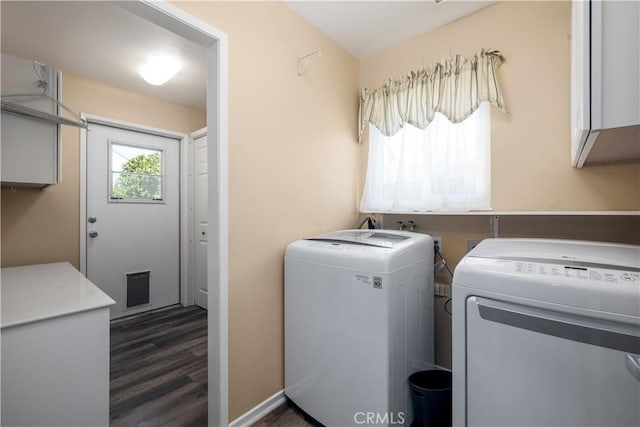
(377, 238)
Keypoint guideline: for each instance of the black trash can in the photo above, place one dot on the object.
(431, 398)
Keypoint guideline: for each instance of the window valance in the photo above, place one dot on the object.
(455, 88)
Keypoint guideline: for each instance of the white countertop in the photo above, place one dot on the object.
(44, 291)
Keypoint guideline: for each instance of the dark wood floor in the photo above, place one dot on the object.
(284, 415)
(159, 373)
(159, 369)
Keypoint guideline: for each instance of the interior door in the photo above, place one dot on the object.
(132, 210)
(200, 219)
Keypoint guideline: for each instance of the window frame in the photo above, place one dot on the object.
(110, 171)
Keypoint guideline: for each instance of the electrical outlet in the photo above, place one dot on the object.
(472, 244)
(437, 244)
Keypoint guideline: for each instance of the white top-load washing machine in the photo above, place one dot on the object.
(358, 322)
(547, 333)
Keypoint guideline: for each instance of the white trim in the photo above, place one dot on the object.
(186, 294)
(59, 131)
(176, 20)
(596, 35)
(198, 133)
(83, 198)
(218, 223)
(259, 411)
(121, 124)
(190, 214)
(590, 141)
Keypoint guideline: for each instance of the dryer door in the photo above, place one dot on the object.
(533, 367)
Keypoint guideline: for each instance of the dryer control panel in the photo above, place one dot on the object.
(575, 272)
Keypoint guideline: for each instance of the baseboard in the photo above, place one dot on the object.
(259, 411)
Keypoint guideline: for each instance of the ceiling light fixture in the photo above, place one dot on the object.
(159, 67)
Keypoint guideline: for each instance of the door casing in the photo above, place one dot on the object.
(182, 138)
(191, 177)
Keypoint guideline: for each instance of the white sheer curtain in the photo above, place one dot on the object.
(445, 167)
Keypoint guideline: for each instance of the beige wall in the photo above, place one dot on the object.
(293, 171)
(295, 168)
(40, 226)
(531, 167)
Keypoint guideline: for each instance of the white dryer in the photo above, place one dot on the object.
(547, 333)
(358, 322)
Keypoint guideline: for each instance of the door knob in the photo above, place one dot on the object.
(92, 219)
(93, 233)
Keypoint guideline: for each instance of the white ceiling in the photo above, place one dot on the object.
(364, 28)
(104, 41)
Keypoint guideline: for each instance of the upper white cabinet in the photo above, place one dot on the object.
(605, 82)
(30, 143)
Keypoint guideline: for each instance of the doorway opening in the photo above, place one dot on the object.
(174, 19)
(214, 43)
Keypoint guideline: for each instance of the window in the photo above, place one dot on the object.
(137, 173)
(445, 167)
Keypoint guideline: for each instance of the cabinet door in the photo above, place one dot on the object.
(580, 78)
(605, 82)
(55, 372)
(619, 59)
(29, 151)
(30, 147)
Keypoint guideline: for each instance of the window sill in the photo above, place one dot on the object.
(506, 213)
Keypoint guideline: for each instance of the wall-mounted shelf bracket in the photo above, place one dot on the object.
(494, 222)
(303, 62)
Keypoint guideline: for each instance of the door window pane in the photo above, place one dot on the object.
(136, 173)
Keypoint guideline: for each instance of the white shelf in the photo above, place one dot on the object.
(515, 213)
